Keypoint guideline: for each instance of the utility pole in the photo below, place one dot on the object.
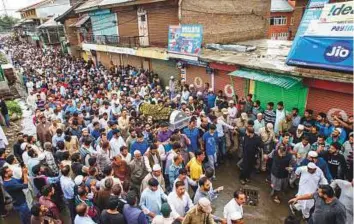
(4, 5)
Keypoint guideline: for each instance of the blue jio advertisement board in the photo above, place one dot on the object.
(185, 39)
(324, 52)
(320, 51)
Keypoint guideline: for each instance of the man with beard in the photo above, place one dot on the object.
(157, 174)
(310, 178)
(252, 143)
(336, 161)
(43, 133)
(312, 156)
(335, 137)
(328, 209)
(138, 171)
(281, 165)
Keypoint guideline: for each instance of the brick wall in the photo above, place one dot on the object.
(159, 17)
(128, 21)
(321, 100)
(228, 21)
(275, 29)
(71, 32)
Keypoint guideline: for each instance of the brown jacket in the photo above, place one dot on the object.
(43, 133)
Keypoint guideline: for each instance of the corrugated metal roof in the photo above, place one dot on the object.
(81, 21)
(50, 23)
(89, 5)
(111, 2)
(281, 6)
(271, 78)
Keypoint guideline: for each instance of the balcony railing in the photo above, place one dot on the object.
(112, 40)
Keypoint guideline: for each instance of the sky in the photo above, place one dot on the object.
(13, 5)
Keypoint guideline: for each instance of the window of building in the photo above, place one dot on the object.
(283, 36)
(292, 20)
(278, 20)
(273, 36)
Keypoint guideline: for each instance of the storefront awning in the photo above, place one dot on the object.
(271, 78)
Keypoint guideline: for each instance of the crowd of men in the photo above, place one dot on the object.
(96, 155)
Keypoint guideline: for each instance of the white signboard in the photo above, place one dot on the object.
(338, 12)
(105, 48)
(330, 29)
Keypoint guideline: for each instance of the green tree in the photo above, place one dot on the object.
(7, 22)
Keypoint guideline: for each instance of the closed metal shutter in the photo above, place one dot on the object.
(197, 76)
(293, 97)
(320, 100)
(165, 69)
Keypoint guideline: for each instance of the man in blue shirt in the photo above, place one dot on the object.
(67, 185)
(140, 144)
(211, 97)
(14, 187)
(210, 139)
(192, 132)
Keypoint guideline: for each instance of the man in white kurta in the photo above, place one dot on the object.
(311, 177)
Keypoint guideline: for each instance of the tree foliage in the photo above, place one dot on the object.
(7, 22)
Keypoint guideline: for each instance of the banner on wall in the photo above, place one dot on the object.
(327, 45)
(185, 39)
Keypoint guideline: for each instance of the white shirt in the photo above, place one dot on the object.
(179, 206)
(116, 144)
(309, 182)
(188, 181)
(220, 126)
(279, 115)
(232, 112)
(104, 123)
(16, 170)
(159, 219)
(230, 208)
(127, 158)
(83, 220)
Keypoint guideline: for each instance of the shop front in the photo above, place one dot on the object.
(271, 87)
(329, 97)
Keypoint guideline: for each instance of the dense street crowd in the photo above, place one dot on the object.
(97, 155)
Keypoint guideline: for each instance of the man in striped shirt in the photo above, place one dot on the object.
(269, 114)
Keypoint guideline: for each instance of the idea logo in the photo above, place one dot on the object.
(338, 51)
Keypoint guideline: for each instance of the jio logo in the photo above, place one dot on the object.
(338, 51)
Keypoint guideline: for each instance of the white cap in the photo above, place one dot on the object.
(313, 154)
(259, 114)
(244, 116)
(339, 130)
(167, 87)
(235, 216)
(270, 126)
(191, 85)
(156, 167)
(78, 179)
(137, 152)
(210, 90)
(301, 127)
(172, 77)
(311, 166)
(178, 95)
(231, 102)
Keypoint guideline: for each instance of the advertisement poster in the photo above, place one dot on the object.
(185, 39)
(325, 45)
(324, 52)
(338, 12)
